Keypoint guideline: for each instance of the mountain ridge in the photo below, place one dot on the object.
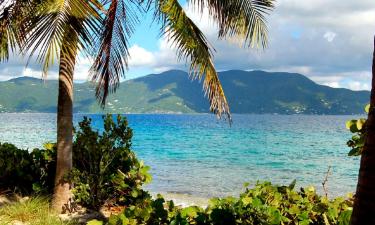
(172, 92)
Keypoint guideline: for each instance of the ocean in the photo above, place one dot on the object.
(201, 156)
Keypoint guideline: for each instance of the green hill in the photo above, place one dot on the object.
(173, 92)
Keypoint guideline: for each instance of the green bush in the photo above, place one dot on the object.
(44, 162)
(264, 204)
(15, 169)
(26, 172)
(106, 170)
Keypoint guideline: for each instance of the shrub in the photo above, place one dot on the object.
(44, 162)
(263, 204)
(25, 172)
(105, 168)
(15, 168)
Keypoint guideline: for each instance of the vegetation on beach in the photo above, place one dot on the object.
(263, 204)
(25, 172)
(33, 211)
(358, 128)
(105, 169)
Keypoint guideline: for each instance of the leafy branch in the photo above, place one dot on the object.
(358, 128)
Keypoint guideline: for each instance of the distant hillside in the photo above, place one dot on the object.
(173, 92)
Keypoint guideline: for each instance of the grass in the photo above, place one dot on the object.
(34, 211)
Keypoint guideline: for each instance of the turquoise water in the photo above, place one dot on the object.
(201, 156)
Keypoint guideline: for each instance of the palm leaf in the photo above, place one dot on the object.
(112, 52)
(242, 18)
(12, 25)
(192, 45)
(52, 24)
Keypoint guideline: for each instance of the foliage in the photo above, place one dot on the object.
(358, 128)
(15, 168)
(45, 163)
(34, 211)
(105, 168)
(25, 172)
(263, 204)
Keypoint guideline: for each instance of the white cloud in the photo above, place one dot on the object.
(332, 84)
(159, 61)
(329, 36)
(359, 80)
(140, 57)
(81, 71)
(356, 85)
(332, 81)
(293, 69)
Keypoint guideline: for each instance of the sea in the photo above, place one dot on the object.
(201, 156)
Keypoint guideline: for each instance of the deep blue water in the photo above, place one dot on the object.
(199, 155)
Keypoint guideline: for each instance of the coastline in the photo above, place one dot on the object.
(183, 200)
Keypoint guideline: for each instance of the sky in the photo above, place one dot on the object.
(329, 41)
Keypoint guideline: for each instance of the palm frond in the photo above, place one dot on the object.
(193, 46)
(242, 18)
(52, 23)
(12, 25)
(112, 52)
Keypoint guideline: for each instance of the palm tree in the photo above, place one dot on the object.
(60, 29)
(364, 202)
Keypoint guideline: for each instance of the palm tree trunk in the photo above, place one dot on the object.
(364, 203)
(62, 193)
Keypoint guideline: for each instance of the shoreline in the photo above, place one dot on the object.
(183, 200)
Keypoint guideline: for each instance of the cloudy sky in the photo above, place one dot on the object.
(330, 41)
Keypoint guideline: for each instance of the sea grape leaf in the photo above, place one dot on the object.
(354, 152)
(246, 200)
(367, 108)
(360, 123)
(349, 123)
(95, 222)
